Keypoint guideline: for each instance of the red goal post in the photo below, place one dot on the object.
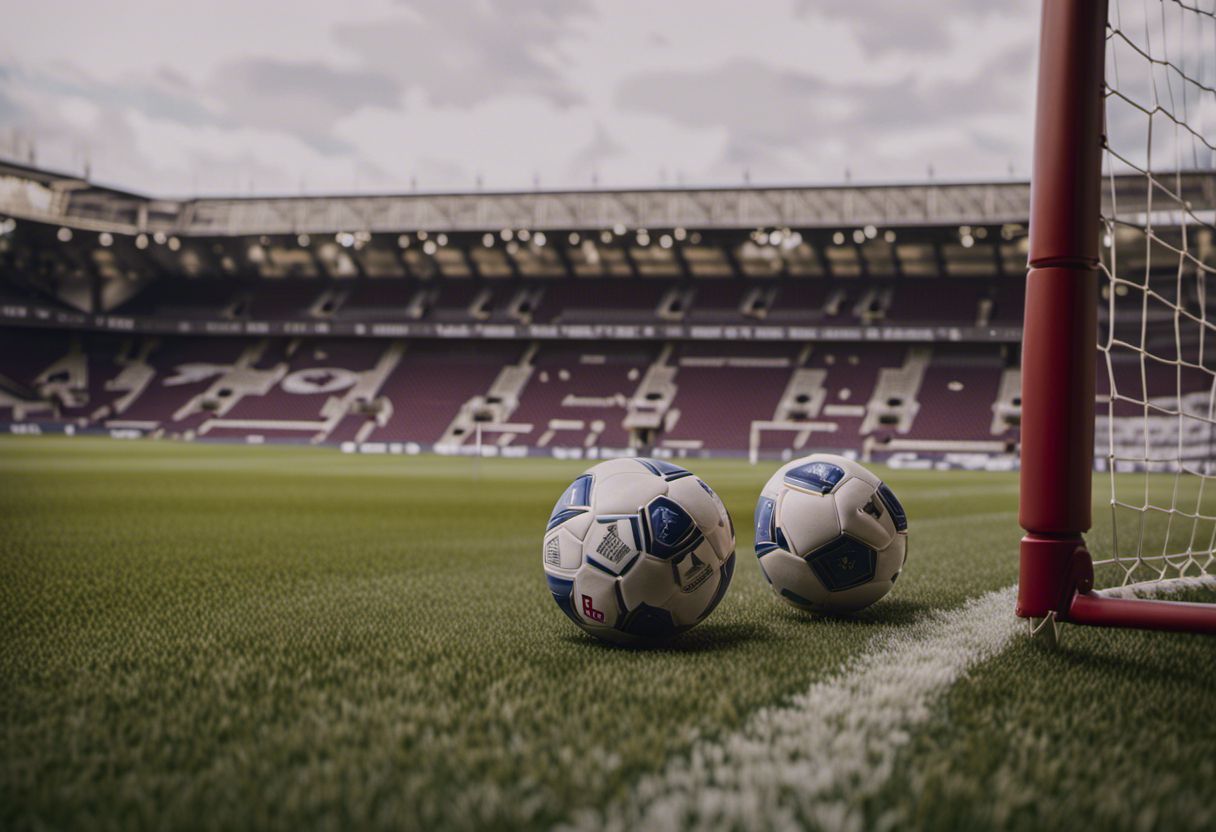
(1068, 277)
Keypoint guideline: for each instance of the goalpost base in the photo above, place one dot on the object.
(1056, 586)
(1053, 569)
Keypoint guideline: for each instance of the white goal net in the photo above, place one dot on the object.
(1156, 382)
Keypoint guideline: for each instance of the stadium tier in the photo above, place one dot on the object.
(611, 397)
(883, 322)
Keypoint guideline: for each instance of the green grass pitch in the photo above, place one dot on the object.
(236, 637)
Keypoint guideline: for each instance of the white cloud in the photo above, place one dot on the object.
(461, 54)
(80, 113)
(174, 98)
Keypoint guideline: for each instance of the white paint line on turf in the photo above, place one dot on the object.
(814, 760)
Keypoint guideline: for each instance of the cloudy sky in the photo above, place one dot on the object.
(261, 96)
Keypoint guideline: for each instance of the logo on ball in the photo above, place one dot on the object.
(665, 524)
(590, 611)
(612, 548)
(553, 552)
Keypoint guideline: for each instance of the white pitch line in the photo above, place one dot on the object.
(812, 761)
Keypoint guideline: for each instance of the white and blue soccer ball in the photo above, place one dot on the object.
(830, 536)
(638, 549)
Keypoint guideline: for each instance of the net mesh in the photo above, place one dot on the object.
(1156, 380)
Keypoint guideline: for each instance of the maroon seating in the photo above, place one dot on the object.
(935, 302)
(190, 298)
(718, 404)
(852, 373)
(347, 430)
(284, 299)
(455, 298)
(545, 395)
(288, 405)
(1008, 301)
(598, 300)
(722, 387)
(160, 400)
(376, 300)
(964, 413)
(431, 383)
(718, 301)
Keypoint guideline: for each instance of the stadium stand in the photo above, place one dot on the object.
(433, 381)
(376, 300)
(958, 395)
(809, 301)
(687, 397)
(182, 371)
(911, 301)
(577, 395)
(599, 300)
(735, 335)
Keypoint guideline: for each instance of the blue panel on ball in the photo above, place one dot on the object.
(633, 562)
(765, 541)
(843, 564)
(578, 494)
(798, 599)
(894, 506)
(724, 577)
(635, 522)
(621, 607)
(562, 591)
(649, 622)
(781, 541)
(559, 517)
(667, 470)
(821, 477)
(670, 526)
(599, 566)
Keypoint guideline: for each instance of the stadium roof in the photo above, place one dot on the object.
(29, 193)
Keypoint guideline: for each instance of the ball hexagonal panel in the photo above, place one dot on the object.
(668, 530)
(818, 476)
(843, 564)
(807, 521)
(862, 514)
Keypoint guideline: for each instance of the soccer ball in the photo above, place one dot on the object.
(830, 536)
(638, 549)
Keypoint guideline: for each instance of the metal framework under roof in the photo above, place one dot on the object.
(29, 193)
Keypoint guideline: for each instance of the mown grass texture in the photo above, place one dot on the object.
(1113, 730)
(220, 636)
